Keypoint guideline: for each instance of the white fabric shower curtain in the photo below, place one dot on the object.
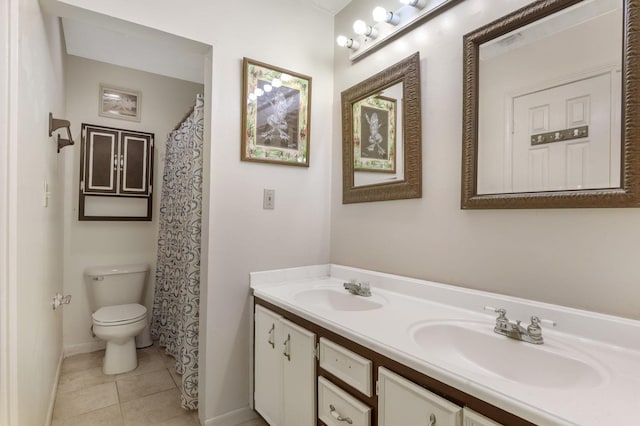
(175, 317)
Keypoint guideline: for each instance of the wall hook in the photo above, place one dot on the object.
(55, 124)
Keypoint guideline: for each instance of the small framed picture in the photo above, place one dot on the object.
(374, 134)
(115, 102)
(276, 112)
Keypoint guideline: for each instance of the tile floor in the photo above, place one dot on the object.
(148, 395)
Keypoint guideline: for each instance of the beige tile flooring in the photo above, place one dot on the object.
(148, 395)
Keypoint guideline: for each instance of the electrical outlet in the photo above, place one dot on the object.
(269, 199)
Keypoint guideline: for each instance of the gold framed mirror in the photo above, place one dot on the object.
(551, 107)
(382, 135)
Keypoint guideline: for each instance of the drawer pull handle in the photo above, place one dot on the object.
(271, 339)
(432, 420)
(287, 347)
(338, 417)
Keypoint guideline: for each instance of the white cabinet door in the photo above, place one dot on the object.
(401, 402)
(297, 346)
(268, 365)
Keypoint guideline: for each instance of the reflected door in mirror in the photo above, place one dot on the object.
(562, 138)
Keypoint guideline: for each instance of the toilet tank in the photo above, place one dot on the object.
(115, 284)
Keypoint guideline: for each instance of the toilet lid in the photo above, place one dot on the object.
(110, 315)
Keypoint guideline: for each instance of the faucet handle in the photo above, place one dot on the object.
(502, 313)
(365, 285)
(534, 330)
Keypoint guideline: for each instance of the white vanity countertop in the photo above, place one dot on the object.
(610, 345)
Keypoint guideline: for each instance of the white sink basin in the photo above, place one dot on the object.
(334, 299)
(474, 346)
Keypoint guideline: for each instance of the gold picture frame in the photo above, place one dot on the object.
(276, 115)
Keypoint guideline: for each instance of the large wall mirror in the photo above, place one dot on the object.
(551, 100)
(382, 136)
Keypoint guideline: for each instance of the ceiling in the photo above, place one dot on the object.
(331, 6)
(138, 48)
(133, 46)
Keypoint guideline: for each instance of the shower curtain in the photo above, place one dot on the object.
(177, 291)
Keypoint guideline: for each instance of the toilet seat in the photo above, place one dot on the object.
(119, 314)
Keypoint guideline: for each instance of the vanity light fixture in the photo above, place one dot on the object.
(380, 14)
(362, 28)
(55, 124)
(409, 15)
(350, 43)
(418, 4)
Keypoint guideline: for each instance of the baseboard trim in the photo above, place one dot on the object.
(232, 418)
(54, 391)
(83, 348)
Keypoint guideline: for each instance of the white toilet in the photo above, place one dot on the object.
(115, 294)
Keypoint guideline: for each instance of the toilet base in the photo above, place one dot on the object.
(120, 357)
(143, 340)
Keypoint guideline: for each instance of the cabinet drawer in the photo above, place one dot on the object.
(338, 408)
(346, 365)
(471, 418)
(402, 402)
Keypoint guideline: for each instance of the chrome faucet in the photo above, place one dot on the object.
(359, 289)
(531, 334)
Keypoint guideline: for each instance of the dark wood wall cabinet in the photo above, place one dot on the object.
(116, 174)
(305, 374)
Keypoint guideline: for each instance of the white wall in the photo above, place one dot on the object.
(585, 258)
(165, 101)
(38, 252)
(240, 236)
(8, 194)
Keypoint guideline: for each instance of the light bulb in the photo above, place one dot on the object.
(252, 96)
(361, 28)
(267, 88)
(380, 14)
(347, 42)
(258, 91)
(276, 83)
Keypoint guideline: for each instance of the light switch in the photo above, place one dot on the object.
(269, 199)
(45, 197)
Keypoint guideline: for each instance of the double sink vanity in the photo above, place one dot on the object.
(335, 345)
(415, 352)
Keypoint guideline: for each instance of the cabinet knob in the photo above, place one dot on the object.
(432, 420)
(271, 338)
(338, 417)
(287, 348)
